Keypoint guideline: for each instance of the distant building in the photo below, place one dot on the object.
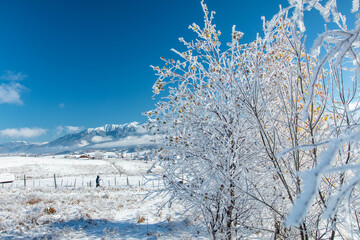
(86, 157)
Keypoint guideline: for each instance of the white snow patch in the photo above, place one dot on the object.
(7, 177)
(74, 210)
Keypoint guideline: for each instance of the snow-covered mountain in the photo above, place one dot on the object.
(125, 136)
(15, 146)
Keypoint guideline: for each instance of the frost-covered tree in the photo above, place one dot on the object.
(239, 123)
(338, 51)
(208, 146)
(279, 69)
(307, 100)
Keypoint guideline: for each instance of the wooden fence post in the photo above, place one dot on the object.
(24, 180)
(55, 181)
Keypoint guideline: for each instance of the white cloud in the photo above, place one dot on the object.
(10, 90)
(22, 132)
(12, 76)
(128, 141)
(73, 129)
(10, 93)
(68, 129)
(99, 139)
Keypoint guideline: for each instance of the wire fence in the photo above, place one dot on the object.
(58, 181)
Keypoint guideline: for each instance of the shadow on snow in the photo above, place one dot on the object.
(103, 229)
(126, 230)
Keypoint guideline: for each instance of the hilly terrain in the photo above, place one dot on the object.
(129, 136)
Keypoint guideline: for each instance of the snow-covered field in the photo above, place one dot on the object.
(75, 209)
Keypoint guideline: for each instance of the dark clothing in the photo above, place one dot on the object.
(98, 181)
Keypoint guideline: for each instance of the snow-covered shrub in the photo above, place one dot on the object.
(238, 126)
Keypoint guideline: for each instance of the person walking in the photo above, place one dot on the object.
(98, 181)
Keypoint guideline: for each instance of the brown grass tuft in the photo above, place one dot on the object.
(141, 219)
(50, 210)
(33, 201)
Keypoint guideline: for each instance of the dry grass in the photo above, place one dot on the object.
(50, 210)
(33, 201)
(141, 219)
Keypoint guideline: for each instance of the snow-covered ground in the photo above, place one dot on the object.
(75, 209)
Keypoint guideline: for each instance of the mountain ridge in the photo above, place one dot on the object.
(122, 136)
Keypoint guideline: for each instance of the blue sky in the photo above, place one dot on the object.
(69, 65)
